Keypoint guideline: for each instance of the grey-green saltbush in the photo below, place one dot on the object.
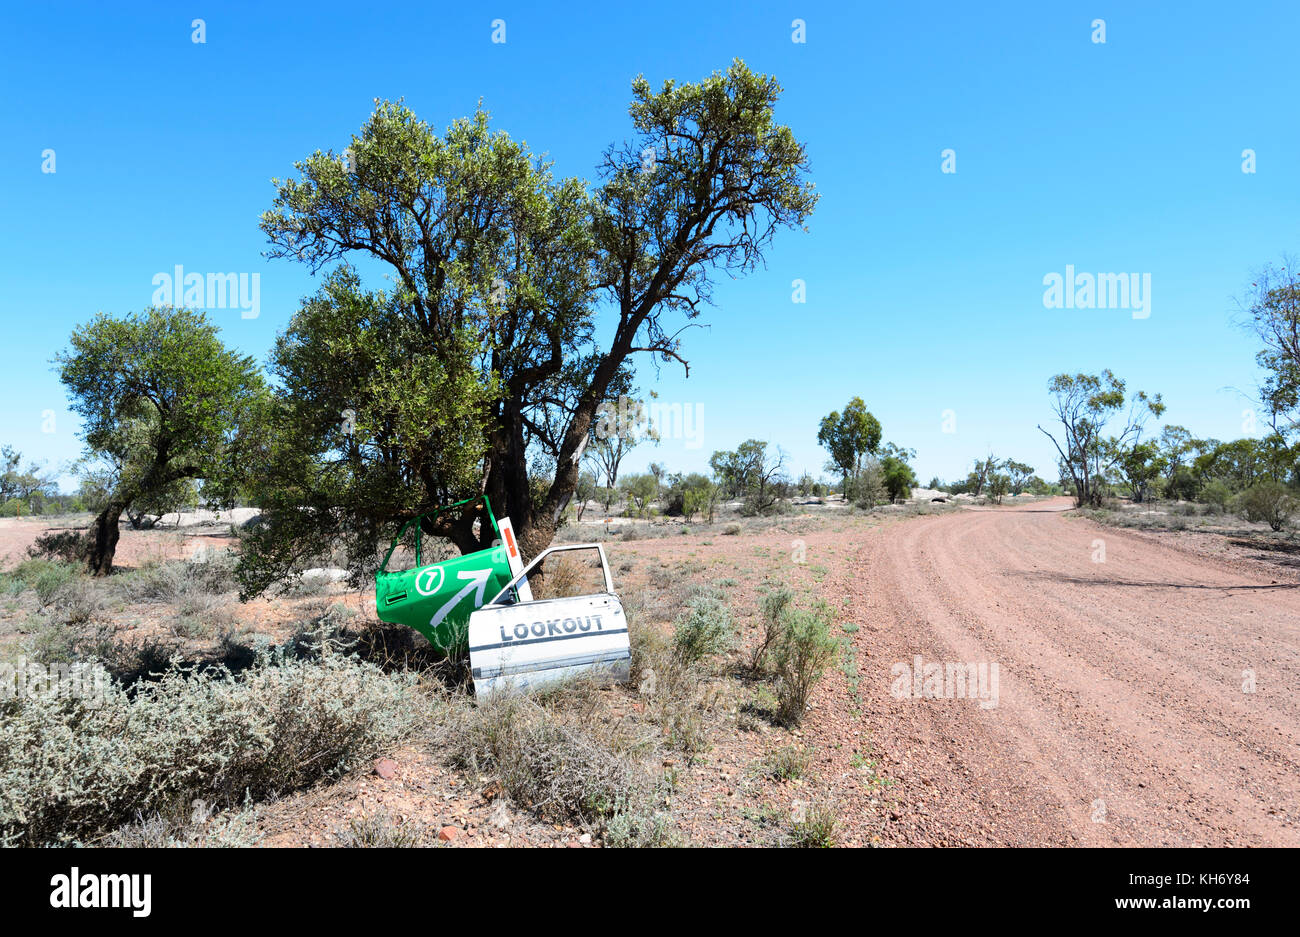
(802, 653)
(75, 769)
(706, 628)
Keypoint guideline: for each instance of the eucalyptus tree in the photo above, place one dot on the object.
(483, 363)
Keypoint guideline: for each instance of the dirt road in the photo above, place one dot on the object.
(1122, 713)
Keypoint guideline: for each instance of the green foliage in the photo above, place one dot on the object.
(1140, 465)
(1183, 485)
(1242, 462)
(753, 473)
(772, 610)
(158, 387)
(1217, 493)
(486, 353)
(1018, 475)
(997, 478)
(787, 763)
(802, 654)
(1270, 502)
(816, 830)
(895, 473)
(1083, 405)
(1274, 308)
(374, 426)
(586, 490)
(691, 495)
(705, 629)
(45, 577)
(997, 486)
(849, 436)
(979, 477)
(180, 495)
(866, 486)
(639, 490)
(162, 401)
(22, 486)
(69, 546)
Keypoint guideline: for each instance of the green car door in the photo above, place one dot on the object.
(436, 599)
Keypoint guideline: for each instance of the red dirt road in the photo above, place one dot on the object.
(1120, 717)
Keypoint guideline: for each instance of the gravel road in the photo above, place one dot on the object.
(1122, 715)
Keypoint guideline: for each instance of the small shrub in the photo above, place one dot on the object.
(1215, 492)
(560, 772)
(731, 530)
(1270, 502)
(55, 641)
(171, 580)
(642, 830)
(562, 578)
(672, 690)
(72, 769)
(866, 489)
(46, 577)
(381, 831)
(816, 830)
(71, 546)
(682, 720)
(787, 763)
(773, 608)
(705, 629)
(649, 648)
(200, 614)
(156, 582)
(236, 830)
(214, 571)
(77, 601)
(802, 654)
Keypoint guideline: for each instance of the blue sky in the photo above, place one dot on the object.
(924, 289)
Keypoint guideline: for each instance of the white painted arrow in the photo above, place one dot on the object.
(478, 580)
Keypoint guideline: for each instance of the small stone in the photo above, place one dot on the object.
(585, 839)
(386, 768)
(448, 833)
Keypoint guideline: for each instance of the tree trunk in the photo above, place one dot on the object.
(537, 537)
(101, 538)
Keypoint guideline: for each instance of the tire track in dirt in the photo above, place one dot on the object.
(1121, 685)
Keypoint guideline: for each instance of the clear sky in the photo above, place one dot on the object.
(924, 289)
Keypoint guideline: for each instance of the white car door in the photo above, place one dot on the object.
(524, 645)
